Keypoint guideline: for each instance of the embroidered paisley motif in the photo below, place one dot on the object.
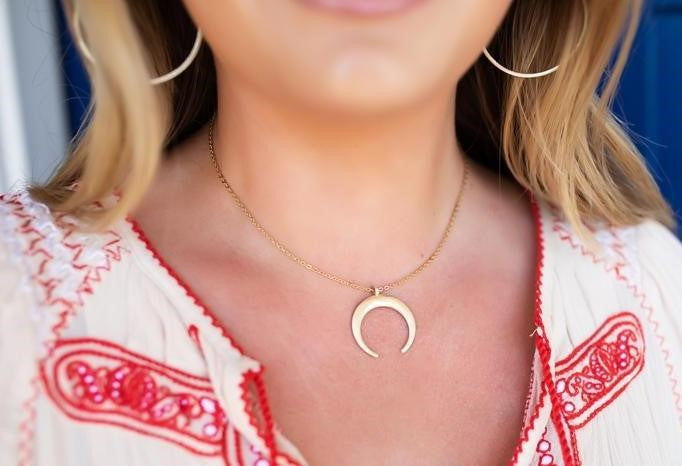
(600, 368)
(99, 381)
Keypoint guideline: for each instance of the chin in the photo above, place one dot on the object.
(364, 88)
(348, 55)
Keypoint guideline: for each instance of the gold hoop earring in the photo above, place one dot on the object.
(80, 41)
(539, 74)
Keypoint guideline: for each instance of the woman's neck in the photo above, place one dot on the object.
(343, 187)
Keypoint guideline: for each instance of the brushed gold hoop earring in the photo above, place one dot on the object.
(80, 41)
(539, 74)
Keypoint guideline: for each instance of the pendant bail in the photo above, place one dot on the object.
(377, 290)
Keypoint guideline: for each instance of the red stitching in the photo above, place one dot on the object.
(124, 412)
(193, 332)
(544, 450)
(573, 359)
(531, 424)
(529, 394)
(545, 354)
(544, 350)
(157, 365)
(537, 319)
(639, 296)
(238, 448)
(93, 273)
(225, 452)
(617, 375)
(25, 427)
(185, 287)
(266, 432)
(574, 443)
(268, 435)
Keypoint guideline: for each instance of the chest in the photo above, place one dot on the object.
(426, 410)
(459, 392)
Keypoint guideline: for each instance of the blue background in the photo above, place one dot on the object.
(649, 98)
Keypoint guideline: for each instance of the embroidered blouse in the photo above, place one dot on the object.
(108, 357)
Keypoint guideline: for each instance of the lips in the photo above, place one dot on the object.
(363, 7)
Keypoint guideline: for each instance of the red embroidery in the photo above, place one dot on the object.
(618, 264)
(544, 450)
(529, 392)
(238, 448)
(259, 460)
(537, 319)
(258, 411)
(600, 368)
(265, 424)
(63, 281)
(97, 381)
(543, 350)
(569, 451)
(193, 333)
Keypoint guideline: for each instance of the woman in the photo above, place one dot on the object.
(297, 168)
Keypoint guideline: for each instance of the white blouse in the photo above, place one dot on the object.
(108, 358)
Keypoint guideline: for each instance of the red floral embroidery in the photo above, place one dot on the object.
(616, 261)
(541, 345)
(259, 460)
(253, 395)
(256, 404)
(63, 280)
(600, 368)
(98, 381)
(544, 450)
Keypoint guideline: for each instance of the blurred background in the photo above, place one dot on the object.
(44, 92)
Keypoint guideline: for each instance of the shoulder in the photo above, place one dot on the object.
(628, 287)
(49, 268)
(96, 302)
(659, 254)
(48, 265)
(646, 257)
(38, 244)
(29, 236)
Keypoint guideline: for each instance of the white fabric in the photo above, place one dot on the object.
(107, 359)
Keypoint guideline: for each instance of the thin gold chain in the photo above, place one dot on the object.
(290, 254)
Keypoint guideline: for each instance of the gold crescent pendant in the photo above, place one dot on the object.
(373, 302)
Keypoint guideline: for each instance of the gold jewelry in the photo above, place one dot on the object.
(164, 78)
(377, 299)
(539, 74)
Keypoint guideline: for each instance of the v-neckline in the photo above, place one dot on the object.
(266, 434)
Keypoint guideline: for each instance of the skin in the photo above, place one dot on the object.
(337, 132)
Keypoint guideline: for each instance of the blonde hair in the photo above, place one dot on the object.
(556, 134)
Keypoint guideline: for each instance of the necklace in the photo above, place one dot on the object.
(377, 297)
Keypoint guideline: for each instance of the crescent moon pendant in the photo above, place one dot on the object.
(373, 302)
